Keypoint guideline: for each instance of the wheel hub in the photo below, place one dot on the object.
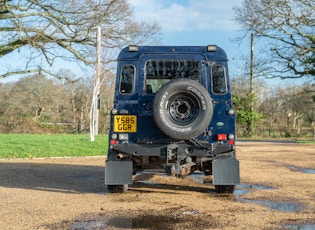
(183, 109)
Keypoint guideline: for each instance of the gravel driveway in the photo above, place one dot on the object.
(277, 191)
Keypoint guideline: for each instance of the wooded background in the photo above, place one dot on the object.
(36, 104)
(44, 41)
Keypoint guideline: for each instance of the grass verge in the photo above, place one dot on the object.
(38, 145)
(306, 142)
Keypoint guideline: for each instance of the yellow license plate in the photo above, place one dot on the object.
(125, 123)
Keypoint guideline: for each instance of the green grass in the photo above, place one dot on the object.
(306, 142)
(37, 145)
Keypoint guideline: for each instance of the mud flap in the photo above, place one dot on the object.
(225, 170)
(118, 172)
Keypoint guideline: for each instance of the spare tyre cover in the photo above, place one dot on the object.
(182, 109)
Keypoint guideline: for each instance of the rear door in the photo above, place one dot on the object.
(157, 70)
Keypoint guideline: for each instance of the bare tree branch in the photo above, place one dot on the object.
(289, 29)
(66, 29)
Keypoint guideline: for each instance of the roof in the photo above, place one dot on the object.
(219, 54)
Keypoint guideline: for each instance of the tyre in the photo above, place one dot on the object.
(224, 188)
(182, 109)
(117, 188)
(208, 172)
(207, 168)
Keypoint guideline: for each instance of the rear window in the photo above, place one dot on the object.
(127, 79)
(159, 72)
(218, 79)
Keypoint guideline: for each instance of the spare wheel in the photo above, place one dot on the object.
(182, 109)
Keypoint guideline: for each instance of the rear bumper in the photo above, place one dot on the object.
(181, 148)
(225, 166)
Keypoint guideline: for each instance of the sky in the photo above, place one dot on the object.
(198, 22)
(202, 22)
(191, 22)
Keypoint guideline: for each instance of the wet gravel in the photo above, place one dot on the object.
(276, 192)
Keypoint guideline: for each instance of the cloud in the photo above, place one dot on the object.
(187, 15)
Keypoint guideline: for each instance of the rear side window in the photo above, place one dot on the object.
(127, 79)
(159, 72)
(218, 79)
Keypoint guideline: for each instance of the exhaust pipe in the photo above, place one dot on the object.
(121, 156)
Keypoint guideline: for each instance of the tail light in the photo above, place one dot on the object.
(222, 137)
(113, 142)
(231, 142)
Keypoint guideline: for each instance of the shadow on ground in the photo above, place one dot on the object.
(63, 178)
(69, 178)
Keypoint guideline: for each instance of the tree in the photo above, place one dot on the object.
(36, 97)
(303, 103)
(248, 92)
(289, 108)
(288, 27)
(246, 117)
(42, 33)
(81, 97)
(4, 97)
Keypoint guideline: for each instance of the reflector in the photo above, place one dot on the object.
(231, 142)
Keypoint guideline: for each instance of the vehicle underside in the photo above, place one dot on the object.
(180, 159)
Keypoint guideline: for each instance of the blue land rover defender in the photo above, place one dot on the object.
(172, 110)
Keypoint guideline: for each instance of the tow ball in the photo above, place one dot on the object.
(179, 170)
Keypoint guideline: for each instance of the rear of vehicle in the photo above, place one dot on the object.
(172, 110)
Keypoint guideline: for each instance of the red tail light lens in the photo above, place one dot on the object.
(113, 142)
(231, 142)
(222, 137)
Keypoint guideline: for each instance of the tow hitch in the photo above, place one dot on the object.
(179, 170)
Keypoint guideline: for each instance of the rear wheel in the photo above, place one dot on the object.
(117, 188)
(207, 168)
(224, 188)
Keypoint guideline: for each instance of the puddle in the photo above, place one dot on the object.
(197, 177)
(90, 224)
(311, 171)
(151, 172)
(275, 205)
(124, 223)
(300, 227)
(253, 186)
(191, 213)
(300, 169)
(240, 192)
(243, 189)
